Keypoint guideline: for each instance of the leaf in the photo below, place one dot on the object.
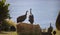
(4, 1)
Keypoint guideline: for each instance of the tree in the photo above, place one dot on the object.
(5, 26)
(4, 12)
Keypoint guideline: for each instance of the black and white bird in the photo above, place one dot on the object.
(31, 17)
(22, 18)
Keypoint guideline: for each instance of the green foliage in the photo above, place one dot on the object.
(4, 12)
(3, 0)
(5, 26)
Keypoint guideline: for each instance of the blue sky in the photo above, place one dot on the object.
(44, 11)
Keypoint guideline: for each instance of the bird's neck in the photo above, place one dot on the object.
(30, 11)
(26, 14)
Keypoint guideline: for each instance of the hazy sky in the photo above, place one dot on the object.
(44, 11)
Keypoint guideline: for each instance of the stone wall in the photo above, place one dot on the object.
(28, 29)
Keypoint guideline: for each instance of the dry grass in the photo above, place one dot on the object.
(15, 33)
(8, 33)
(57, 32)
(11, 32)
(10, 22)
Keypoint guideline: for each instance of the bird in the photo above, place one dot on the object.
(22, 18)
(31, 17)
